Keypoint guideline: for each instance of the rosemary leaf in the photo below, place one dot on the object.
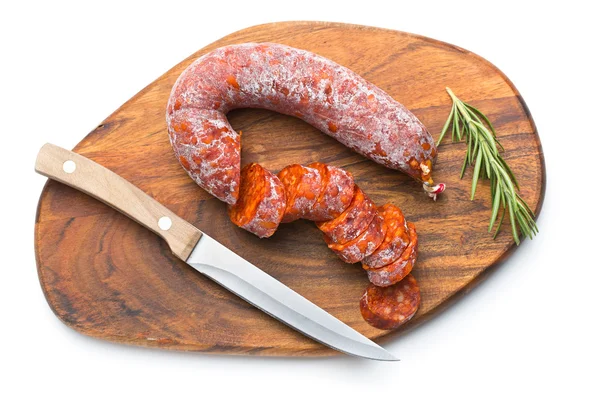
(495, 206)
(511, 215)
(455, 130)
(500, 223)
(487, 163)
(446, 125)
(476, 174)
(464, 167)
(512, 176)
(474, 152)
(522, 224)
(480, 114)
(523, 204)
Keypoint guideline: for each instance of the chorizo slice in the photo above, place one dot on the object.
(302, 188)
(366, 243)
(398, 269)
(261, 201)
(392, 306)
(396, 238)
(291, 81)
(337, 191)
(352, 222)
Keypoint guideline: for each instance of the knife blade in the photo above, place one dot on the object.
(205, 254)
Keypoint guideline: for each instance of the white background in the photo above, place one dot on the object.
(529, 330)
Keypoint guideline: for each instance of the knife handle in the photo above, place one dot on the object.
(93, 179)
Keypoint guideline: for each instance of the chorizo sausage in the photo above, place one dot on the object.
(337, 191)
(207, 151)
(365, 244)
(261, 202)
(390, 307)
(396, 238)
(302, 188)
(353, 221)
(295, 82)
(398, 269)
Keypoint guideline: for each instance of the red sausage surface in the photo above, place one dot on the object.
(337, 191)
(261, 205)
(399, 268)
(395, 241)
(363, 245)
(302, 189)
(355, 219)
(291, 81)
(392, 306)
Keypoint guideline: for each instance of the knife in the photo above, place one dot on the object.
(205, 254)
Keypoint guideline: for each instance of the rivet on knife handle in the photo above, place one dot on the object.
(89, 177)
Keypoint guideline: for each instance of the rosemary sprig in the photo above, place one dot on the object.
(483, 152)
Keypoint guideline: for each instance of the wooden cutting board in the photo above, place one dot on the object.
(107, 277)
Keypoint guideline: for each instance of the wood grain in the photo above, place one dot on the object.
(106, 276)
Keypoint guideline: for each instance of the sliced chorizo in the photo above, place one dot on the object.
(295, 82)
(399, 268)
(392, 306)
(302, 188)
(337, 191)
(396, 238)
(366, 243)
(353, 221)
(261, 203)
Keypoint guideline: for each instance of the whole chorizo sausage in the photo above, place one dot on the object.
(291, 81)
(207, 151)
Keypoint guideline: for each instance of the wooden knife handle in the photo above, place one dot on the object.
(85, 175)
